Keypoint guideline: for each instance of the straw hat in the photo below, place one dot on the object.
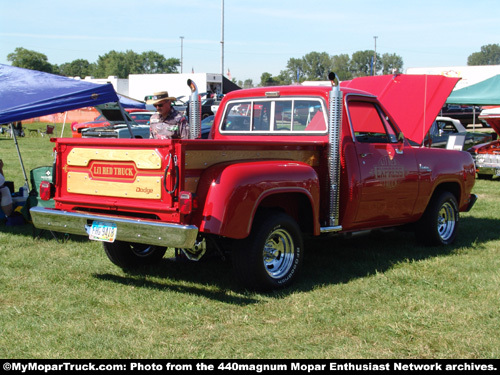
(158, 97)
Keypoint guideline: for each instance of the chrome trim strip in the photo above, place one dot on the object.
(337, 228)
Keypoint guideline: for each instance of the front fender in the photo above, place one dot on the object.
(229, 194)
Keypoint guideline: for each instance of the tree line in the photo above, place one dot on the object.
(113, 63)
(313, 66)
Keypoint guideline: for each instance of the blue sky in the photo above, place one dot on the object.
(259, 35)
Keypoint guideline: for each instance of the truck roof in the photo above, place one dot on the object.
(413, 101)
(291, 90)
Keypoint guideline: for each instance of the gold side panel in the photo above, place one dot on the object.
(204, 159)
(145, 187)
(143, 159)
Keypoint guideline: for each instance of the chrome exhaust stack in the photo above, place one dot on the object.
(334, 133)
(194, 111)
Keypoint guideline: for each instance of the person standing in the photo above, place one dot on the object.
(167, 122)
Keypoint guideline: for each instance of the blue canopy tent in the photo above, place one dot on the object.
(26, 93)
(127, 102)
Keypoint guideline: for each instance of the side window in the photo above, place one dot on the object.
(447, 127)
(369, 124)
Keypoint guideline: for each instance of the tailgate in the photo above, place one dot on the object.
(127, 178)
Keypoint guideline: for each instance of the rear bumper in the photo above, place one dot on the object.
(128, 230)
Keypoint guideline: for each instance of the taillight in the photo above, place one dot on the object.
(187, 202)
(46, 190)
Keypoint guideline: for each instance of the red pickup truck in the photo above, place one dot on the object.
(280, 163)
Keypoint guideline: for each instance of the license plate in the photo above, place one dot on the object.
(103, 231)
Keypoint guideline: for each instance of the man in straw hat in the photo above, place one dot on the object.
(167, 122)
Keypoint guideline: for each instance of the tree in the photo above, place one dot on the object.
(295, 71)
(77, 68)
(361, 63)
(247, 84)
(489, 55)
(314, 66)
(391, 63)
(122, 64)
(317, 66)
(24, 58)
(266, 79)
(153, 62)
(341, 67)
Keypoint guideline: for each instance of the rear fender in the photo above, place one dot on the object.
(232, 193)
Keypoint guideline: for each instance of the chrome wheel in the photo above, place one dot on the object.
(439, 223)
(272, 255)
(446, 221)
(278, 254)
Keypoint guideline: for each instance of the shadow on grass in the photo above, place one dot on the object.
(327, 261)
(334, 260)
(212, 279)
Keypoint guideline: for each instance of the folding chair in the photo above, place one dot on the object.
(48, 130)
(38, 175)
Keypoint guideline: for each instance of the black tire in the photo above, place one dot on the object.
(271, 256)
(439, 224)
(131, 256)
(483, 176)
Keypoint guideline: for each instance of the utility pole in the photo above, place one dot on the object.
(182, 47)
(222, 49)
(375, 57)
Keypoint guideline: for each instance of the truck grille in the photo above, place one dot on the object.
(100, 134)
(487, 159)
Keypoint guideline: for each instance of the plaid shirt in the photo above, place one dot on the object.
(173, 126)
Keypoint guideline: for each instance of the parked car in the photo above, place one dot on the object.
(466, 114)
(487, 156)
(115, 125)
(206, 108)
(141, 118)
(490, 116)
(101, 121)
(206, 126)
(444, 127)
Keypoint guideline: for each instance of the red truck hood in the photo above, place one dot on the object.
(413, 101)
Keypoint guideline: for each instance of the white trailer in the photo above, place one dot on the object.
(141, 85)
(470, 74)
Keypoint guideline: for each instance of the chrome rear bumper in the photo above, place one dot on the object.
(128, 230)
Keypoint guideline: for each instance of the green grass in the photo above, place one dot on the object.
(377, 296)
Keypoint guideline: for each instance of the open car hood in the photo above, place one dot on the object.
(112, 113)
(413, 101)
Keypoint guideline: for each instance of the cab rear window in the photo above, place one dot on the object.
(276, 116)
